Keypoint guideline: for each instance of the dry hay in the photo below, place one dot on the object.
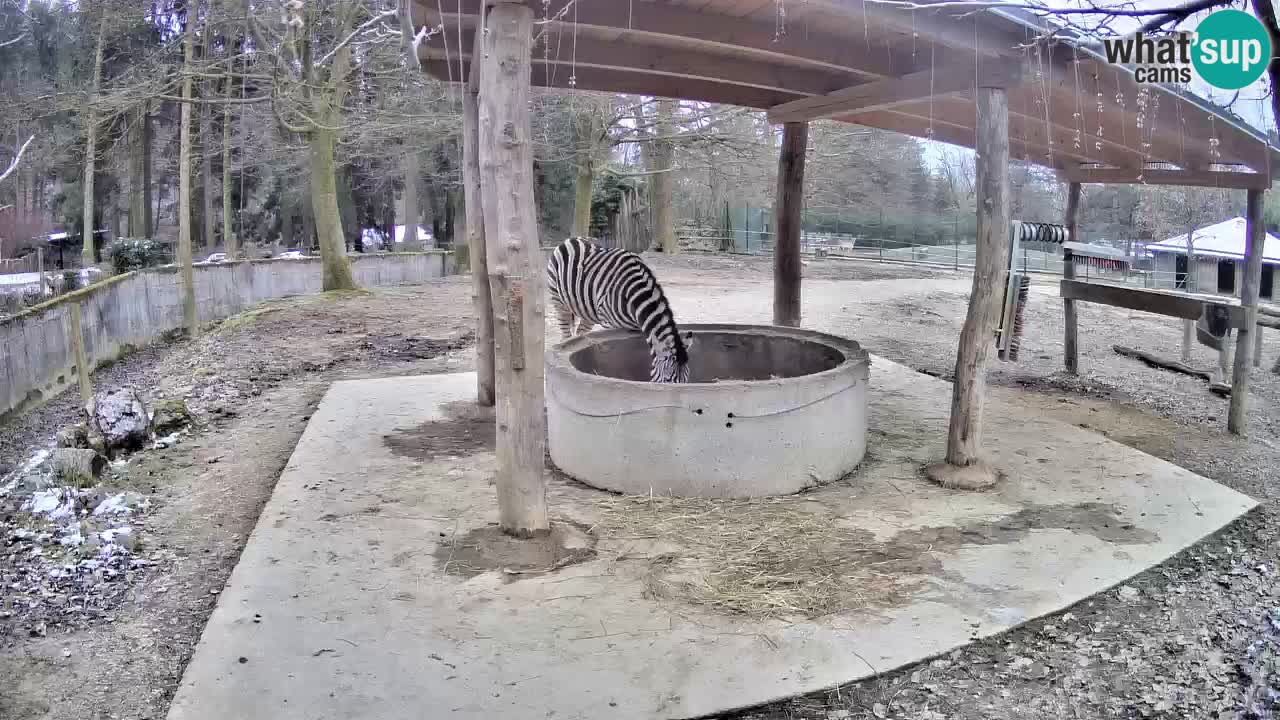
(771, 557)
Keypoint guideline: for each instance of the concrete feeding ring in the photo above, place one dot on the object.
(769, 411)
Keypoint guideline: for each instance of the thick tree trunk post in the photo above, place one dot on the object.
(138, 210)
(1257, 346)
(206, 150)
(1188, 337)
(1070, 350)
(188, 284)
(82, 357)
(587, 130)
(40, 268)
(1249, 288)
(788, 203)
(87, 254)
(515, 268)
(964, 467)
(335, 268)
(481, 300)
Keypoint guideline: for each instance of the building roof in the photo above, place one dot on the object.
(880, 65)
(1224, 240)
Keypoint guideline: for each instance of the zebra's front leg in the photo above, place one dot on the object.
(584, 327)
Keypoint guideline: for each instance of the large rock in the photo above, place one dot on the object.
(121, 417)
(73, 436)
(77, 466)
(169, 415)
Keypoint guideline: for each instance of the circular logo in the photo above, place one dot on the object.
(1232, 49)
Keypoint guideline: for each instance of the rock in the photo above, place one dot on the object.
(1129, 593)
(73, 436)
(78, 466)
(125, 537)
(121, 417)
(168, 415)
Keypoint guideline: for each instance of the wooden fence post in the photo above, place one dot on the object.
(515, 267)
(1070, 350)
(82, 357)
(787, 217)
(1249, 288)
(963, 467)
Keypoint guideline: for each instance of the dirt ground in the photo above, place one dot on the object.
(1197, 637)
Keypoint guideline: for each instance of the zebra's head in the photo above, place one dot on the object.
(672, 365)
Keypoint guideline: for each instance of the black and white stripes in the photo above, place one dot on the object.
(591, 285)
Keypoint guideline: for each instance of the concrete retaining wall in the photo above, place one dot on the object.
(37, 360)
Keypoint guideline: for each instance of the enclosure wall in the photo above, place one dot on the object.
(37, 359)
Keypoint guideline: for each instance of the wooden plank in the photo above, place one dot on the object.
(1139, 299)
(515, 268)
(1163, 363)
(789, 202)
(964, 437)
(1070, 350)
(1161, 176)
(481, 299)
(1237, 416)
(889, 92)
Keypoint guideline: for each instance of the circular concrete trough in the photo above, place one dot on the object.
(768, 411)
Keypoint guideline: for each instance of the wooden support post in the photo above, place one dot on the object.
(1070, 350)
(788, 203)
(82, 357)
(1257, 346)
(1188, 337)
(481, 300)
(515, 267)
(1256, 234)
(963, 467)
(40, 269)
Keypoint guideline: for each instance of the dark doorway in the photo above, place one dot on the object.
(1268, 276)
(1227, 277)
(1180, 272)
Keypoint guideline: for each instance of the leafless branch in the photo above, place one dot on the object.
(17, 158)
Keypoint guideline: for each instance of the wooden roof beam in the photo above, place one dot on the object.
(629, 57)
(892, 92)
(633, 83)
(698, 30)
(1165, 176)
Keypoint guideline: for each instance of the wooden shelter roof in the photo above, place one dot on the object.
(882, 66)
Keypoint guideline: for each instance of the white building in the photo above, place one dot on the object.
(1219, 252)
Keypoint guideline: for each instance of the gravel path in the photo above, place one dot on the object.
(1194, 638)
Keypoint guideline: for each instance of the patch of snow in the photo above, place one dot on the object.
(54, 503)
(71, 536)
(11, 480)
(110, 536)
(114, 505)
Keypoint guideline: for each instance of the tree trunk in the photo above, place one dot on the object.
(481, 300)
(963, 467)
(151, 218)
(184, 189)
(515, 268)
(231, 242)
(324, 206)
(88, 254)
(584, 160)
(206, 144)
(1070, 351)
(789, 200)
(138, 210)
(1250, 286)
(412, 199)
(664, 229)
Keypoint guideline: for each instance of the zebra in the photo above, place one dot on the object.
(591, 285)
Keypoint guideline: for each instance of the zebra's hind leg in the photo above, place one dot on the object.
(566, 319)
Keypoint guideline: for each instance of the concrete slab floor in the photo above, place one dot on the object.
(353, 598)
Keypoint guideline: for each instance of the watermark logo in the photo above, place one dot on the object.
(1230, 50)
